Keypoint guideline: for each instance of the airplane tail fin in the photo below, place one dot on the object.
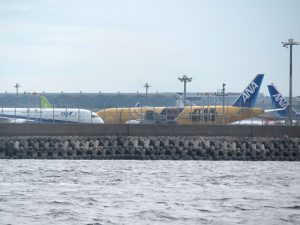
(279, 102)
(249, 95)
(45, 103)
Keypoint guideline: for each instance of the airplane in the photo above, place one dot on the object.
(241, 109)
(281, 105)
(276, 116)
(48, 114)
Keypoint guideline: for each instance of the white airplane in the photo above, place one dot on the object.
(46, 114)
(258, 121)
(54, 115)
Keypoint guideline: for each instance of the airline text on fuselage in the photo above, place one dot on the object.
(249, 90)
(67, 114)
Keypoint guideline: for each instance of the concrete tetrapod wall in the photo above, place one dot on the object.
(146, 130)
(150, 147)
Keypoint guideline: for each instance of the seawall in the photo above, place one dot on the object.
(146, 130)
(166, 142)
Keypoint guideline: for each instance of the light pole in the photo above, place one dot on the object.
(222, 93)
(17, 93)
(290, 43)
(147, 86)
(184, 79)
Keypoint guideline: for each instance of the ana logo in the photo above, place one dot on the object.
(66, 114)
(249, 91)
(280, 100)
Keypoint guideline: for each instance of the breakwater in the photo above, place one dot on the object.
(154, 148)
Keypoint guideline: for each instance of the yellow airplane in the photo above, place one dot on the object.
(241, 109)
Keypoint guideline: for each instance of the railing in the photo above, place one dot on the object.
(189, 115)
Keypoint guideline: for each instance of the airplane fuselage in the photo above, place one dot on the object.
(184, 115)
(49, 115)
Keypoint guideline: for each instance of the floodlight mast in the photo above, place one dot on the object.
(221, 92)
(223, 104)
(17, 88)
(147, 87)
(184, 79)
(290, 44)
(17, 93)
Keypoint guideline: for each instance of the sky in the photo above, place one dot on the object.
(119, 45)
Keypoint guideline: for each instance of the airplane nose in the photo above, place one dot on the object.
(98, 120)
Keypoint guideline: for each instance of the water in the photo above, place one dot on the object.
(149, 192)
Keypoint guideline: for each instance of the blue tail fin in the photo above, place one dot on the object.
(278, 101)
(249, 95)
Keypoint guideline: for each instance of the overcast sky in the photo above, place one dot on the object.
(119, 45)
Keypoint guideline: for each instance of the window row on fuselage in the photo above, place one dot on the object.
(49, 114)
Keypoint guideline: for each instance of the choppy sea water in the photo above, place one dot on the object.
(149, 192)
